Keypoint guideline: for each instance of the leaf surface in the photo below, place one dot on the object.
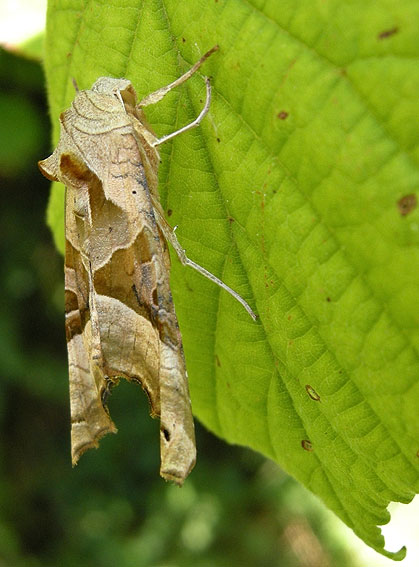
(298, 190)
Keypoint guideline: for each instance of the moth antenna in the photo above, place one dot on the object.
(75, 85)
(118, 94)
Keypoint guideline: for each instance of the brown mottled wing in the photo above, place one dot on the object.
(136, 275)
(121, 265)
(89, 419)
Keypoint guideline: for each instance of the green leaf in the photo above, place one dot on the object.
(290, 192)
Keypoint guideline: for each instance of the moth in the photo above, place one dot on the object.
(119, 314)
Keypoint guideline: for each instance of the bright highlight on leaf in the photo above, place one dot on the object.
(297, 191)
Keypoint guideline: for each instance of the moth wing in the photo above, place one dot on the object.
(121, 264)
(89, 419)
(137, 274)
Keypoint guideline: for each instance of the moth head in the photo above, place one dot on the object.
(121, 88)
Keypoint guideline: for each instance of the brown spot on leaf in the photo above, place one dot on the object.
(388, 33)
(169, 212)
(217, 361)
(407, 204)
(328, 299)
(312, 393)
(306, 445)
(282, 115)
(218, 140)
(183, 39)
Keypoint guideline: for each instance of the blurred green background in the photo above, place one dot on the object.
(236, 508)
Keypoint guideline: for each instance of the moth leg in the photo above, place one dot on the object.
(191, 124)
(170, 236)
(156, 96)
